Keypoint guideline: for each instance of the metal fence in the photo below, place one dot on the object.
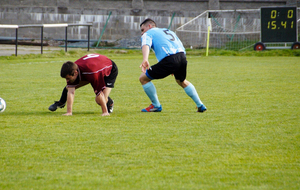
(230, 29)
(42, 26)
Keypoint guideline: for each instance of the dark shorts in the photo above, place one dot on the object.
(174, 64)
(111, 79)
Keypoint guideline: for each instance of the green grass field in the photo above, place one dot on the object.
(249, 138)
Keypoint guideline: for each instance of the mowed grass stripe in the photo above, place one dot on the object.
(248, 138)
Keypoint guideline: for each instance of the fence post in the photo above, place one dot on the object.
(171, 20)
(16, 48)
(42, 36)
(66, 39)
(103, 29)
(89, 28)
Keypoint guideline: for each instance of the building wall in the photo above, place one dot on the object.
(123, 23)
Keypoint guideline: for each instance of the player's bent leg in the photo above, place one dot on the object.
(152, 108)
(150, 90)
(61, 103)
(106, 92)
(144, 79)
(63, 98)
(57, 104)
(110, 105)
(190, 90)
(202, 108)
(100, 100)
(109, 101)
(183, 84)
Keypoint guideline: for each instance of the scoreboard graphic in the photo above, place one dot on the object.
(278, 24)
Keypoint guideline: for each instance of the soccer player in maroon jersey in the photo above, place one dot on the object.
(94, 69)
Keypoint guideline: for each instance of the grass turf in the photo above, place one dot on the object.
(248, 139)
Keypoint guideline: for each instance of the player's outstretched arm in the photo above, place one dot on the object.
(70, 100)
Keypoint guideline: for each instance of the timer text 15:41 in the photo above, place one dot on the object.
(273, 25)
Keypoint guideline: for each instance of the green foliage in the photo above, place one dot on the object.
(237, 45)
(223, 52)
(248, 139)
(123, 52)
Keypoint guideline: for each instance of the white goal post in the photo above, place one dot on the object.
(230, 29)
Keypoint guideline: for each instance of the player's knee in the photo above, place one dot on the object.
(97, 100)
(144, 79)
(141, 80)
(183, 84)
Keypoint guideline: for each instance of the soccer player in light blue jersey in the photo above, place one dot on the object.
(170, 54)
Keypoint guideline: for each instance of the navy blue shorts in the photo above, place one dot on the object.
(174, 64)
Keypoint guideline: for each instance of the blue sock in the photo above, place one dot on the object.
(191, 92)
(150, 90)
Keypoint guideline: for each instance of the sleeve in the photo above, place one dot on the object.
(146, 40)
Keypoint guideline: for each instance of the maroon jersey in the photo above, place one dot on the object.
(93, 68)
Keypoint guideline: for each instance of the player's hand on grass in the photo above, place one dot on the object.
(145, 65)
(105, 114)
(67, 114)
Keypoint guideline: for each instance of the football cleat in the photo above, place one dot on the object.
(202, 108)
(151, 108)
(56, 105)
(110, 105)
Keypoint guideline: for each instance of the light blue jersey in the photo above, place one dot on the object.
(164, 42)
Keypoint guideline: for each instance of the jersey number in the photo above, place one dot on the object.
(90, 56)
(167, 32)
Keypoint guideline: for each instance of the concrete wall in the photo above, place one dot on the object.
(126, 15)
(187, 8)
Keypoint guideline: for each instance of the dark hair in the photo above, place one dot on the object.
(68, 68)
(148, 20)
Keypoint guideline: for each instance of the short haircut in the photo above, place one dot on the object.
(148, 21)
(68, 68)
